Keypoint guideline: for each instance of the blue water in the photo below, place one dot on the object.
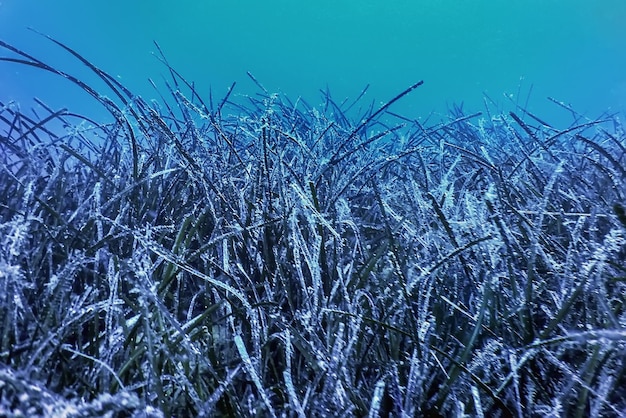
(572, 50)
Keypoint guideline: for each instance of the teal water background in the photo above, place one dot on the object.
(572, 50)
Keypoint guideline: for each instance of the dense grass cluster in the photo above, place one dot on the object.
(271, 258)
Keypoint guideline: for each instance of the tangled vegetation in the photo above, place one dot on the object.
(269, 258)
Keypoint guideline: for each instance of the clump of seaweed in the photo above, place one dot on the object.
(269, 258)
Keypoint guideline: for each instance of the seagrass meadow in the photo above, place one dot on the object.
(264, 257)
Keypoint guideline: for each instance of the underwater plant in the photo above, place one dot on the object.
(264, 257)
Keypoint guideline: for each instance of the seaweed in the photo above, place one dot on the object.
(271, 258)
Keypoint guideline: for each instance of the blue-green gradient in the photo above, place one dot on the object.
(573, 50)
